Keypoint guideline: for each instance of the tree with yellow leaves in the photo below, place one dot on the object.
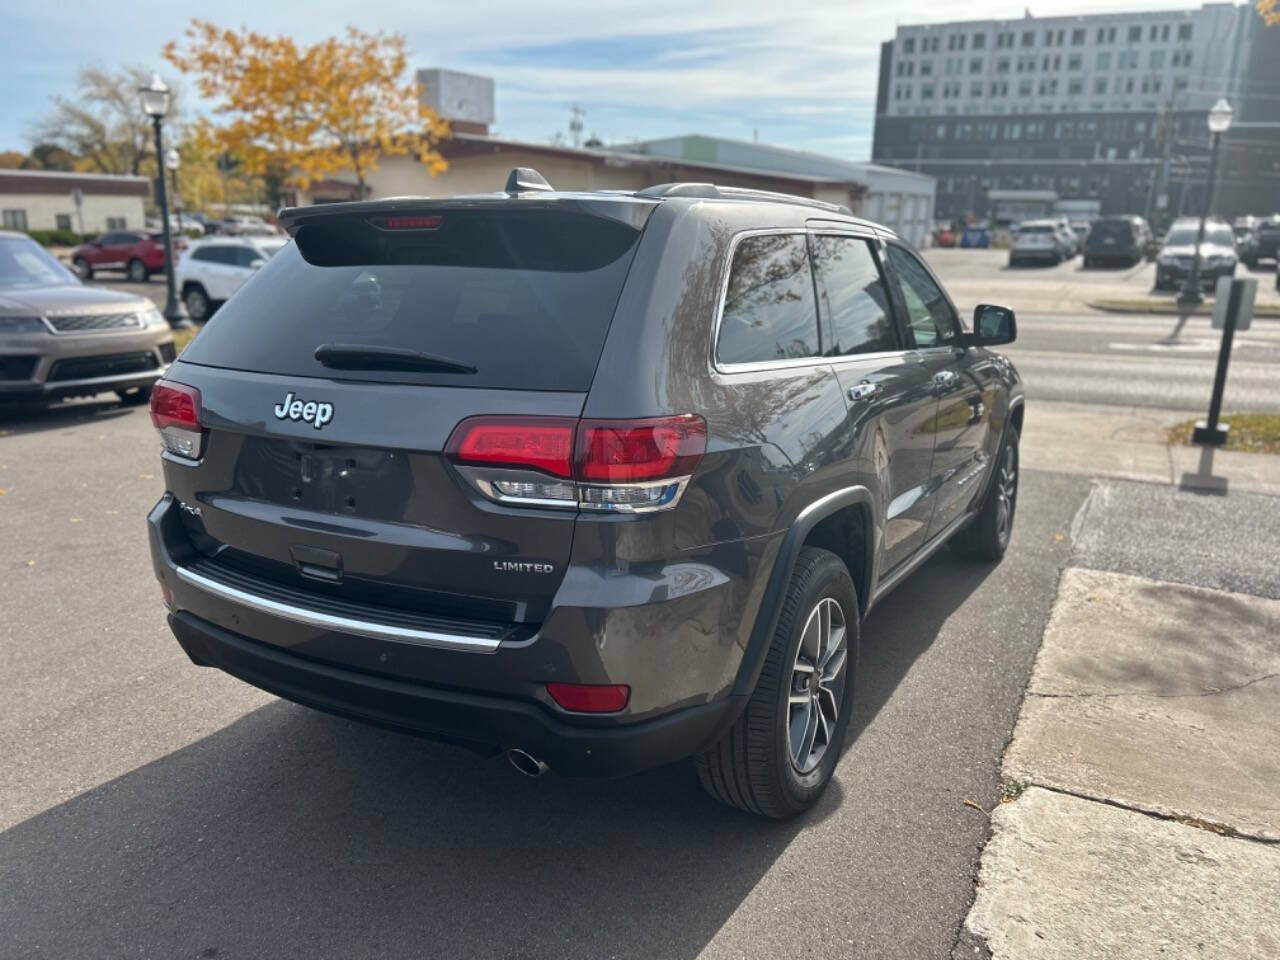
(309, 111)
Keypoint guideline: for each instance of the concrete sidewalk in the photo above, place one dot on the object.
(1143, 780)
(1129, 443)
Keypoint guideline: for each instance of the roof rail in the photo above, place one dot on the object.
(525, 180)
(663, 190)
(711, 191)
(746, 193)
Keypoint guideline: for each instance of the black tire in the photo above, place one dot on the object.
(987, 537)
(137, 271)
(83, 270)
(751, 767)
(134, 396)
(196, 300)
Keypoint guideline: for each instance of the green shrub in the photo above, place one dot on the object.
(59, 238)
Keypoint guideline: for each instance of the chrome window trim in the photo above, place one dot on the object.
(313, 618)
(797, 363)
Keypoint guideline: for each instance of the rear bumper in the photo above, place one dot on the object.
(491, 693)
(454, 715)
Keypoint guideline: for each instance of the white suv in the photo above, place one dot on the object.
(210, 271)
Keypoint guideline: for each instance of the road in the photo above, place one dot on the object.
(151, 808)
(1068, 351)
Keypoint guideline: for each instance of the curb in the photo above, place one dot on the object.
(1260, 310)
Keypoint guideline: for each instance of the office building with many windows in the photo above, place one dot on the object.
(1109, 108)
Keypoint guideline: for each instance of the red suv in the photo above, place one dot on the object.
(139, 253)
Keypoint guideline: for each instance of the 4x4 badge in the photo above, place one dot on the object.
(316, 414)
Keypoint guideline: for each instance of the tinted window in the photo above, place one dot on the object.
(769, 311)
(243, 256)
(852, 295)
(524, 296)
(1121, 231)
(933, 323)
(206, 254)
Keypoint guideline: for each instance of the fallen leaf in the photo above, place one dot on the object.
(146, 476)
(31, 563)
(75, 519)
(976, 806)
(3, 491)
(1058, 538)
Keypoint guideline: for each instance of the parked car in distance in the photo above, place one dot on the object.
(136, 253)
(450, 466)
(213, 269)
(60, 338)
(1115, 240)
(1038, 241)
(1217, 253)
(1069, 239)
(1246, 242)
(1266, 243)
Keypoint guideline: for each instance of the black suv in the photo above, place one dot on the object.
(601, 480)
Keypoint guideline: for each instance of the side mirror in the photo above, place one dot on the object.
(993, 325)
(255, 264)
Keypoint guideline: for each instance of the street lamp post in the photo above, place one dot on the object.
(155, 103)
(1219, 123)
(172, 160)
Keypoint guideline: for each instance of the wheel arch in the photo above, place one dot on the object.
(828, 523)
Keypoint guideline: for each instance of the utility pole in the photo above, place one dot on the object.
(1160, 183)
(576, 125)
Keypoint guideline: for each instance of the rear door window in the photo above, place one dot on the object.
(769, 306)
(525, 297)
(853, 297)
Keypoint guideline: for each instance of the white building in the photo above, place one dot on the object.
(1113, 62)
(83, 202)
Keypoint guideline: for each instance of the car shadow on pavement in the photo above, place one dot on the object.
(19, 418)
(293, 833)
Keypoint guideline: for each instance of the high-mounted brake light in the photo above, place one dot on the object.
(175, 412)
(614, 465)
(431, 222)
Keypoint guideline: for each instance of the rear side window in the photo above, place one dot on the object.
(1120, 231)
(853, 297)
(525, 297)
(769, 309)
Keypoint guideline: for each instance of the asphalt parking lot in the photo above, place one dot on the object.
(152, 808)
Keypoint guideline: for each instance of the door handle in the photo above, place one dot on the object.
(864, 391)
(944, 378)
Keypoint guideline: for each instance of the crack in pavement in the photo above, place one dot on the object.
(1211, 692)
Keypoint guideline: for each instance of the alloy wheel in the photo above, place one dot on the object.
(1006, 493)
(818, 679)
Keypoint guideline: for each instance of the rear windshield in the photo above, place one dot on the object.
(1024, 231)
(1118, 230)
(524, 297)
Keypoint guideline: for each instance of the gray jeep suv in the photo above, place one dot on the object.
(600, 480)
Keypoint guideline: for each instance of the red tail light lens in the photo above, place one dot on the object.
(175, 411)
(590, 698)
(627, 466)
(175, 405)
(630, 451)
(538, 443)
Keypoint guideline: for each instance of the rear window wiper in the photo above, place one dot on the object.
(355, 356)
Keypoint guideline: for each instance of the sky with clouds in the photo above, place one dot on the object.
(798, 74)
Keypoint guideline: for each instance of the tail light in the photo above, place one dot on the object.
(630, 466)
(175, 412)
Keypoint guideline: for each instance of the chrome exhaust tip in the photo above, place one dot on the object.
(526, 763)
